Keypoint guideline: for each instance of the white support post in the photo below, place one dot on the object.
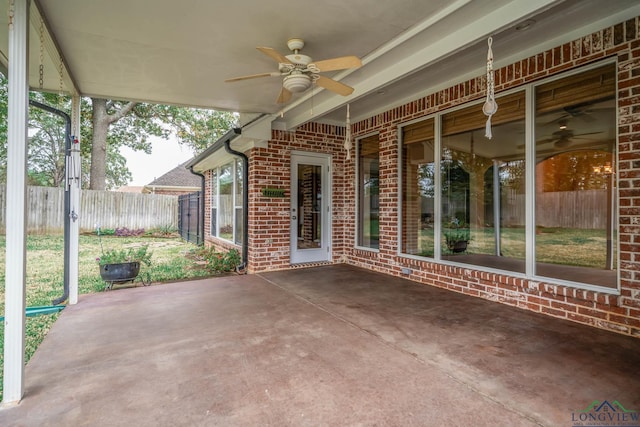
(16, 227)
(75, 183)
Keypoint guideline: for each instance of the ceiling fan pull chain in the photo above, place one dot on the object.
(490, 105)
(347, 135)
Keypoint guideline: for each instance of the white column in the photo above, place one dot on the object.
(74, 192)
(18, 110)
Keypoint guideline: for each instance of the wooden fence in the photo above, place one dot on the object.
(109, 209)
(566, 209)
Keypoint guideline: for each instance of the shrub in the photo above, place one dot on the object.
(126, 232)
(220, 262)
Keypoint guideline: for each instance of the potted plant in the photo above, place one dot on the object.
(122, 265)
(457, 238)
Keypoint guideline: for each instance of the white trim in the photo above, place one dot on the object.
(447, 45)
(529, 182)
(16, 227)
(437, 196)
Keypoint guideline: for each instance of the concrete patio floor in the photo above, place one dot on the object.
(333, 345)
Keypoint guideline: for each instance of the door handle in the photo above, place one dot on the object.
(293, 218)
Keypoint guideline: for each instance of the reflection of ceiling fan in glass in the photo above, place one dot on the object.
(564, 136)
(299, 71)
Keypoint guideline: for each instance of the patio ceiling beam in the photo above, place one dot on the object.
(486, 24)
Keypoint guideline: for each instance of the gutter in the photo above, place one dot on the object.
(245, 199)
(67, 196)
(225, 142)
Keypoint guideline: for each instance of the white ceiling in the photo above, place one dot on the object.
(180, 52)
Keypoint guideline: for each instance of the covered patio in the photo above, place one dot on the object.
(344, 345)
(331, 345)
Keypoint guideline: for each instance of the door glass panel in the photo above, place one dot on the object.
(309, 206)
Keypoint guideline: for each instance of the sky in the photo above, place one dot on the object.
(165, 155)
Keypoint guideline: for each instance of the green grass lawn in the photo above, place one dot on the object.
(566, 246)
(45, 274)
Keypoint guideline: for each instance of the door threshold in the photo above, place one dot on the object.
(310, 264)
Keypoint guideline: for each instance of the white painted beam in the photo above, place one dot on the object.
(16, 256)
(442, 47)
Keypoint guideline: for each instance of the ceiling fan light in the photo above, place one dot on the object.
(297, 82)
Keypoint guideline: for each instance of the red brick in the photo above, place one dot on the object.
(625, 320)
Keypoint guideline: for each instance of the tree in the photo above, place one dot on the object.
(105, 127)
(118, 123)
(46, 148)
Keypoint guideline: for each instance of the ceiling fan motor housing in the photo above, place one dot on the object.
(296, 82)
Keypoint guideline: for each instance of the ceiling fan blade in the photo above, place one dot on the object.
(562, 143)
(274, 54)
(284, 96)
(253, 76)
(586, 133)
(338, 63)
(334, 86)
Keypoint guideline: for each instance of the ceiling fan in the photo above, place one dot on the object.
(564, 136)
(300, 72)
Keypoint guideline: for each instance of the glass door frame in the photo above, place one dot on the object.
(323, 252)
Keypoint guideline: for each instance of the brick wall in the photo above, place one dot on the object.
(269, 218)
(617, 313)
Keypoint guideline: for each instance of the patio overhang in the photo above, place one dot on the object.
(180, 53)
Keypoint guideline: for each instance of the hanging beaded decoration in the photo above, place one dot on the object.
(347, 135)
(490, 106)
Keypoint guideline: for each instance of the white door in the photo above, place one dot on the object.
(310, 208)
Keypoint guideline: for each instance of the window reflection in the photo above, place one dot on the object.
(368, 192)
(418, 184)
(575, 178)
(483, 187)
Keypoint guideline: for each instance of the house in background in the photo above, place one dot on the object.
(177, 181)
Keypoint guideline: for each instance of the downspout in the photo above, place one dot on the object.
(245, 200)
(201, 225)
(67, 197)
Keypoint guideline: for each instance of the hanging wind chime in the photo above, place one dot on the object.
(490, 105)
(347, 135)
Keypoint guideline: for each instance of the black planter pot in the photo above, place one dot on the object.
(458, 247)
(120, 272)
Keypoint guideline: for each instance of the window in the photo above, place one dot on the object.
(238, 203)
(418, 186)
(481, 184)
(227, 202)
(368, 192)
(213, 193)
(575, 134)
